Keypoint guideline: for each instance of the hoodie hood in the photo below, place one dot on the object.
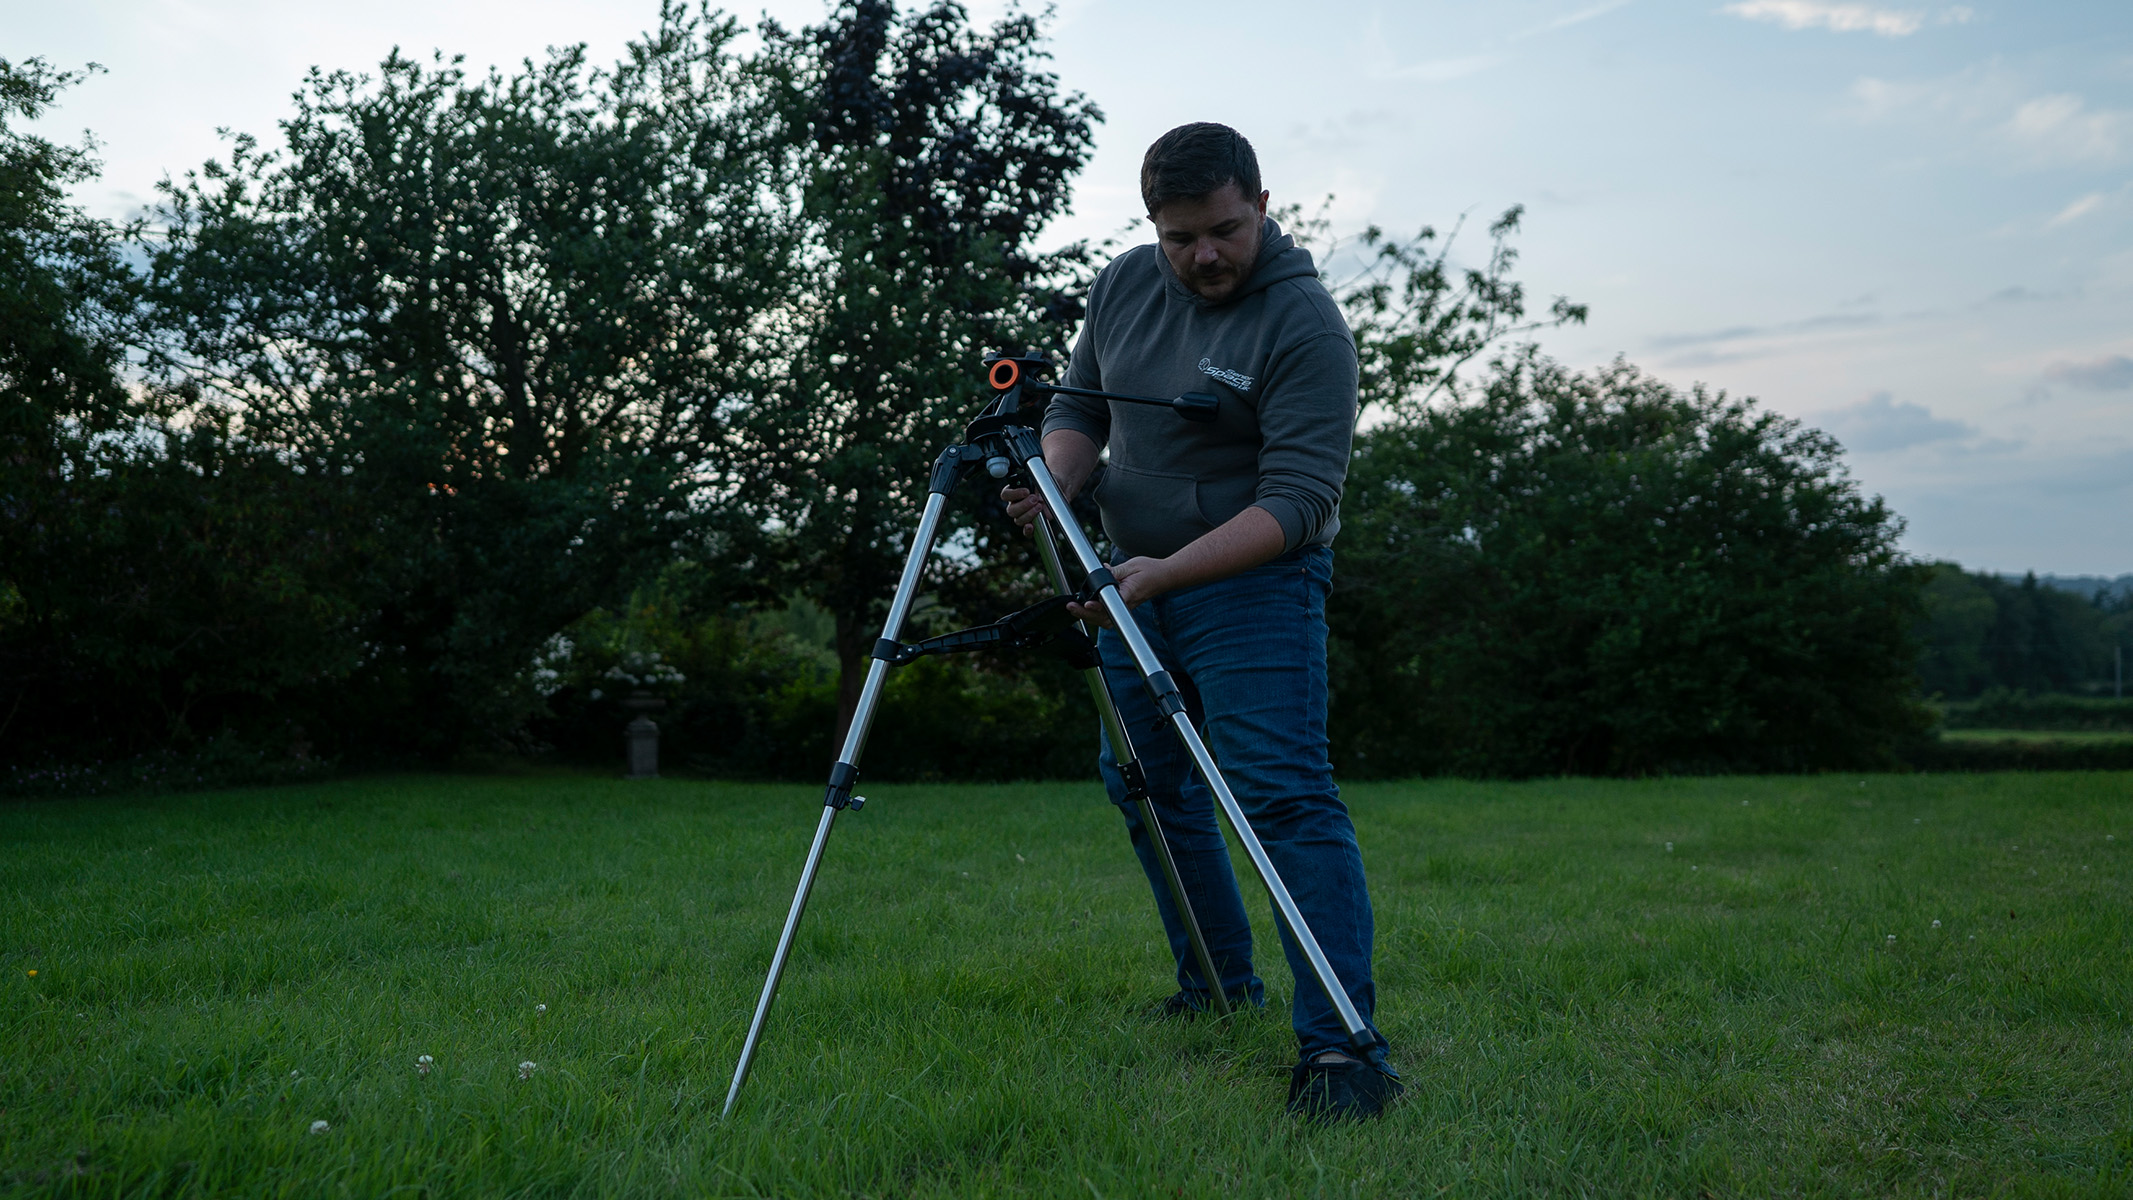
(1279, 258)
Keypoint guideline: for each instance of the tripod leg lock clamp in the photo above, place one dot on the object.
(1099, 579)
(951, 466)
(1136, 781)
(839, 793)
(1168, 699)
(888, 650)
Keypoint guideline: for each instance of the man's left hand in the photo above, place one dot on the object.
(1139, 581)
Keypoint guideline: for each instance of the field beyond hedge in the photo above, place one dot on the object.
(1835, 985)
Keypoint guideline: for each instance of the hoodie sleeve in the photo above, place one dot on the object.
(1081, 413)
(1306, 425)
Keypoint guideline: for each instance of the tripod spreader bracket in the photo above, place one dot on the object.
(1043, 626)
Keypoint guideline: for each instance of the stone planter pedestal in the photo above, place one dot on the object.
(640, 738)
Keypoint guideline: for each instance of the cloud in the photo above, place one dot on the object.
(1674, 341)
(1878, 423)
(2062, 128)
(1568, 19)
(1440, 70)
(1444, 70)
(2078, 209)
(2005, 121)
(1845, 18)
(2111, 374)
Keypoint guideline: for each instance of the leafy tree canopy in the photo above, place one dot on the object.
(1597, 573)
(937, 154)
(510, 316)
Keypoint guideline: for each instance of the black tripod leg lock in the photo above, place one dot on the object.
(1099, 579)
(1136, 781)
(1168, 699)
(951, 466)
(839, 793)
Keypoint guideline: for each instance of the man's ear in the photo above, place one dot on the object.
(1262, 202)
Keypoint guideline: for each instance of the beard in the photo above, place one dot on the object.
(1223, 278)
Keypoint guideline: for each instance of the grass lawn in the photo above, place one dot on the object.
(1826, 985)
(2085, 736)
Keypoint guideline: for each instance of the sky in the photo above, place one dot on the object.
(1908, 224)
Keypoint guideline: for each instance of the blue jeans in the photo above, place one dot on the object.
(1250, 654)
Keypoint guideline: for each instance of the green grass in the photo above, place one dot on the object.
(1676, 987)
(2054, 736)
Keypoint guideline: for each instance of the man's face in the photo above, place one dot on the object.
(1212, 240)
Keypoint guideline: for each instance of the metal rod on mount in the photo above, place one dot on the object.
(839, 795)
(1152, 669)
(1128, 764)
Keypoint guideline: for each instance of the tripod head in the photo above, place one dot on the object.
(1013, 375)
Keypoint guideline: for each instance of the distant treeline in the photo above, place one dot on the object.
(1984, 631)
(479, 406)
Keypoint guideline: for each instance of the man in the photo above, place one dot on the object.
(1223, 536)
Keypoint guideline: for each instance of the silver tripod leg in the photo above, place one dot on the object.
(1152, 670)
(1122, 750)
(855, 740)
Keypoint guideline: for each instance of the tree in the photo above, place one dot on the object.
(1982, 632)
(1418, 319)
(938, 155)
(1596, 573)
(1960, 611)
(68, 293)
(158, 579)
(507, 318)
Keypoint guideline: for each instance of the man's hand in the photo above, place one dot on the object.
(1024, 505)
(1071, 458)
(1139, 580)
(1244, 541)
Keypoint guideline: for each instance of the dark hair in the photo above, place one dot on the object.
(1194, 160)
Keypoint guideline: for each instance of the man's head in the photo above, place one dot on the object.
(1201, 185)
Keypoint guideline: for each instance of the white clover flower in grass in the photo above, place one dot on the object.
(525, 1069)
(1892, 938)
(423, 1063)
(1936, 924)
(540, 1008)
(319, 1127)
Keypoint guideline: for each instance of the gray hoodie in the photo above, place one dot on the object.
(1279, 355)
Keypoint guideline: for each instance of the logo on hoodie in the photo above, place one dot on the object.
(1242, 383)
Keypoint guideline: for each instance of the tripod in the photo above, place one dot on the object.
(1004, 442)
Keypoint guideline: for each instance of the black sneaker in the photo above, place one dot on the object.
(1343, 1089)
(1184, 1006)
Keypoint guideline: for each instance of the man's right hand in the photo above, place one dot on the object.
(1023, 505)
(1070, 457)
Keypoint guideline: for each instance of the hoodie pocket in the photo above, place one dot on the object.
(1151, 513)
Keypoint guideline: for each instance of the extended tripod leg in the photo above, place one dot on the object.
(1136, 782)
(1172, 705)
(842, 776)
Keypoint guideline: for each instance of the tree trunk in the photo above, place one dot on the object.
(852, 664)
